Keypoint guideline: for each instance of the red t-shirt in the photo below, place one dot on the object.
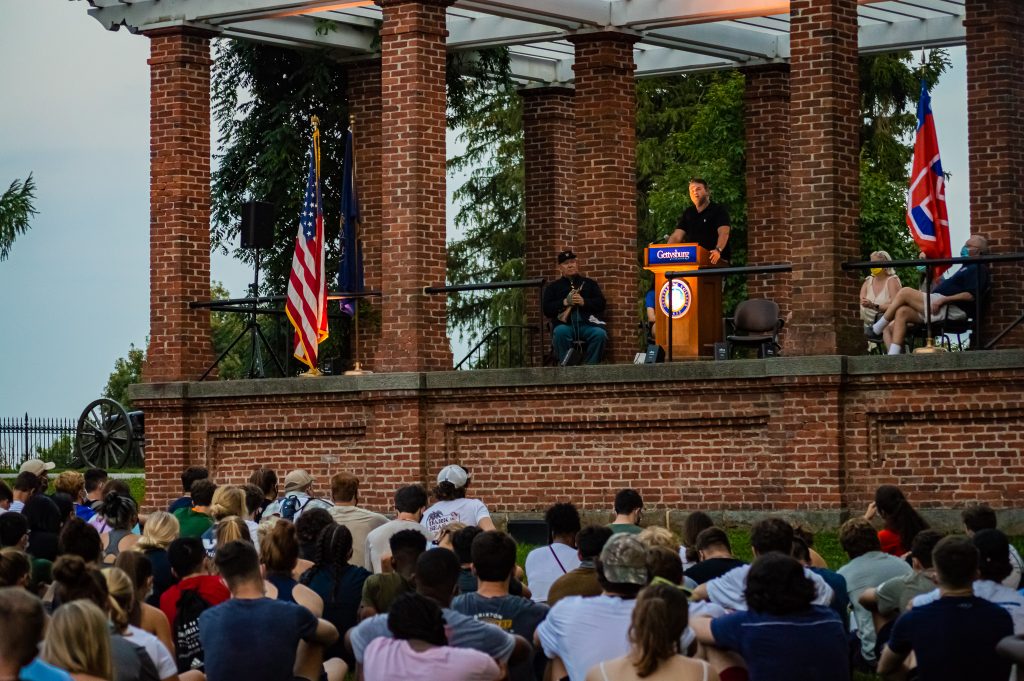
(891, 543)
(210, 587)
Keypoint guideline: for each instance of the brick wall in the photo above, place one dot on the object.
(824, 133)
(995, 101)
(766, 124)
(365, 105)
(605, 105)
(413, 332)
(549, 157)
(796, 435)
(180, 346)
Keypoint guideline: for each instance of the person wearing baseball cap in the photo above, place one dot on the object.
(298, 496)
(38, 468)
(452, 506)
(575, 305)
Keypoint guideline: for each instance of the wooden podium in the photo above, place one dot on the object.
(695, 303)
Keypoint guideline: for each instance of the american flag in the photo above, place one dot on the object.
(306, 306)
(926, 201)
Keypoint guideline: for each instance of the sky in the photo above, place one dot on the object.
(74, 111)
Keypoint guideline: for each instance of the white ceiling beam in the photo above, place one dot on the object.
(140, 15)
(562, 13)
(532, 69)
(302, 32)
(482, 31)
(721, 40)
(910, 35)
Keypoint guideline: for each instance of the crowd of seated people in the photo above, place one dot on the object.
(212, 589)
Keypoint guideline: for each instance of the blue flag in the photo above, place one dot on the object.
(350, 272)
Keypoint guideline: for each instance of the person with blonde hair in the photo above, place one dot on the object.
(230, 528)
(228, 502)
(655, 535)
(878, 290)
(160, 530)
(122, 604)
(657, 625)
(78, 642)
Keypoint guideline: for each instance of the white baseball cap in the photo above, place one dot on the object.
(36, 466)
(454, 474)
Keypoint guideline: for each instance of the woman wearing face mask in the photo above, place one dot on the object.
(877, 292)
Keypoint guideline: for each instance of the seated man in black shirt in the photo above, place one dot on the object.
(952, 298)
(715, 556)
(574, 305)
(706, 223)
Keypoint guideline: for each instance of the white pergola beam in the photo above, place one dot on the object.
(910, 35)
(302, 32)
(465, 33)
(138, 15)
(721, 40)
(561, 13)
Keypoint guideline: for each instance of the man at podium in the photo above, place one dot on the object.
(706, 223)
(575, 305)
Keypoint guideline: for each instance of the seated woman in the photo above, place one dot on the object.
(877, 291)
(658, 622)
(902, 522)
(279, 554)
(121, 514)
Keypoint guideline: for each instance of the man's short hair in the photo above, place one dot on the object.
(407, 542)
(202, 492)
(22, 622)
(191, 474)
(344, 487)
(956, 561)
(13, 526)
(993, 555)
(254, 496)
(437, 571)
(923, 545)
(94, 479)
(858, 537)
(777, 584)
(237, 562)
(5, 492)
(591, 539)
(699, 180)
(494, 556)
(713, 536)
(462, 543)
(26, 482)
(665, 563)
(979, 517)
(771, 534)
(410, 498)
(563, 519)
(627, 501)
(186, 555)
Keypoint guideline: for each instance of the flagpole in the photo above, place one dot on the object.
(314, 370)
(357, 369)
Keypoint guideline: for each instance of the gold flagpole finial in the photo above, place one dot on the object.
(315, 121)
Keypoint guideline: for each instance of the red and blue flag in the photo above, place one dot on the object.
(926, 201)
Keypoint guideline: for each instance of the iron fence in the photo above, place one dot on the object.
(25, 437)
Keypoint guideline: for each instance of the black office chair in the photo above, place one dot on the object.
(755, 324)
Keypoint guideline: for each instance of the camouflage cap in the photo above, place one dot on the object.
(624, 560)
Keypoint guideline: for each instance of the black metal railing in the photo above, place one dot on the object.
(503, 347)
(25, 437)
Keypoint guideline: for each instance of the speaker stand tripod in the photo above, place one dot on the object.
(255, 333)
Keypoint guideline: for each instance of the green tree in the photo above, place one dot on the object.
(17, 206)
(127, 372)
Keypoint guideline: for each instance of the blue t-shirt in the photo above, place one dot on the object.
(253, 639)
(971, 279)
(179, 503)
(805, 646)
(954, 638)
(37, 670)
(840, 601)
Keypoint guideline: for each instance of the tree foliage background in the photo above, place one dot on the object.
(17, 206)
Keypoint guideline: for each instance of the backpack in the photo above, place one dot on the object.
(185, 630)
(291, 506)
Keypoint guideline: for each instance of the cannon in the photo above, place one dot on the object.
(108, 435)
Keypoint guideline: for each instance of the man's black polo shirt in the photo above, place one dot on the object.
(702, 227)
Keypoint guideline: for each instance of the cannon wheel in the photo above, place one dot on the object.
(104, 435)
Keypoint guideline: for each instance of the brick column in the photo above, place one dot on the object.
(364, 105)
(825, 140)
(414, 326)
(606, 184)
(995, 99)
(766, 124)
(549, 157)
(180, 346)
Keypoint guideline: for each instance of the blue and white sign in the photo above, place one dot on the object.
(669, 255)
(675, 298)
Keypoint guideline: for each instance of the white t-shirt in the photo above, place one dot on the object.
(728, 590)
(1017, 565)
(586, 631)
(469, 511)
(1003, 596)
(542, 568)
(377, 541)
(165, 665)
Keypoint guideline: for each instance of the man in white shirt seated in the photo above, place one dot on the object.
(769, 534)
(547, 563)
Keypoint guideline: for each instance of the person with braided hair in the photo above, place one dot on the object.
(420, 650)
(338, 583)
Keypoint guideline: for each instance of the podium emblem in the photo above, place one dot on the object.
(675, 298)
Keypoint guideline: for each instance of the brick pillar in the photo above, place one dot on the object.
(995, 99)
(414, 325)
(180, 346)
(364, 105)
(549, 156)
(606, 185)
(824, 145)
(766, 123)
